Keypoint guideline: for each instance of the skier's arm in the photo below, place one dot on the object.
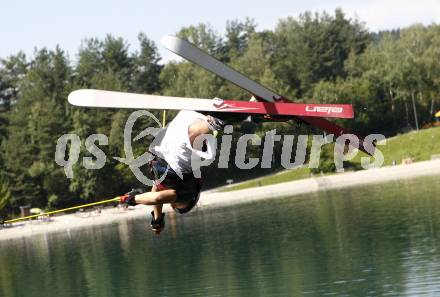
(156, 198)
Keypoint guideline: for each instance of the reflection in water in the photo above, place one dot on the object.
(369, 241)
(124, 236)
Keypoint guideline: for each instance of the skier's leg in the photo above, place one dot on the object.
(157, 209)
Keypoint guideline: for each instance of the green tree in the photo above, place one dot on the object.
(12, 71)
(315, 47)
(238, 35)
(5, 197)
(202, 36)
(37, 119)
(146, 69)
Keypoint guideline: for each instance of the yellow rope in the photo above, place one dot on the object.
(62, 210)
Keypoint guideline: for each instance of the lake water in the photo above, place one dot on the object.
(381, 240)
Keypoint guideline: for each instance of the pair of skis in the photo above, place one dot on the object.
(270, 103)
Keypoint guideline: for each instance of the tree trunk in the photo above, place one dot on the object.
(407, 114)
(392, 99)
(415, 110)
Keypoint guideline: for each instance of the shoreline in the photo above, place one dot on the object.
(325, 182)
(219, 199)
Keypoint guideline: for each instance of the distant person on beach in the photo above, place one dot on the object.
(172, 170)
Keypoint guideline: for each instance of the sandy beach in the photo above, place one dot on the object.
(217, 199)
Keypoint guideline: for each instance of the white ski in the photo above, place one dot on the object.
(110, 99)
(193, 54)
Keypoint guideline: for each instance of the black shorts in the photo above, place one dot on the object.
(187, 189)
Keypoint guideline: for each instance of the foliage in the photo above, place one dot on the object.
(5, 195)
(326, 164)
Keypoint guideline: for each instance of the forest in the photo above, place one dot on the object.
(392, 78)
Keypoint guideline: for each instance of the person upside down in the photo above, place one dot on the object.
(172, 167)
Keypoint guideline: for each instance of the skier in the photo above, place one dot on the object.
(174, 180)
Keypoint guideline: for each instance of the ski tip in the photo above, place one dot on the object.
(169, 41)
(80, 97)
(175, 44)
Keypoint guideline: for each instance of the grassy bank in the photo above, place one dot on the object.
(417, 146)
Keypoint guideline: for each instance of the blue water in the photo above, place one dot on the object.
(381, 240)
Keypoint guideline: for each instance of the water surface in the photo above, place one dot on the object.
(380, 240)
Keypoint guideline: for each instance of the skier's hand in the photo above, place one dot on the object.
(129, 198)
(157, 224)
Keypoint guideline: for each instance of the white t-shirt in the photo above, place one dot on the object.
(173, 144)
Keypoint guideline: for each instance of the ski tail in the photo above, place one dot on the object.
(336, 130)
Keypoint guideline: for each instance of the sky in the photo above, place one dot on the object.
(26, 25)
